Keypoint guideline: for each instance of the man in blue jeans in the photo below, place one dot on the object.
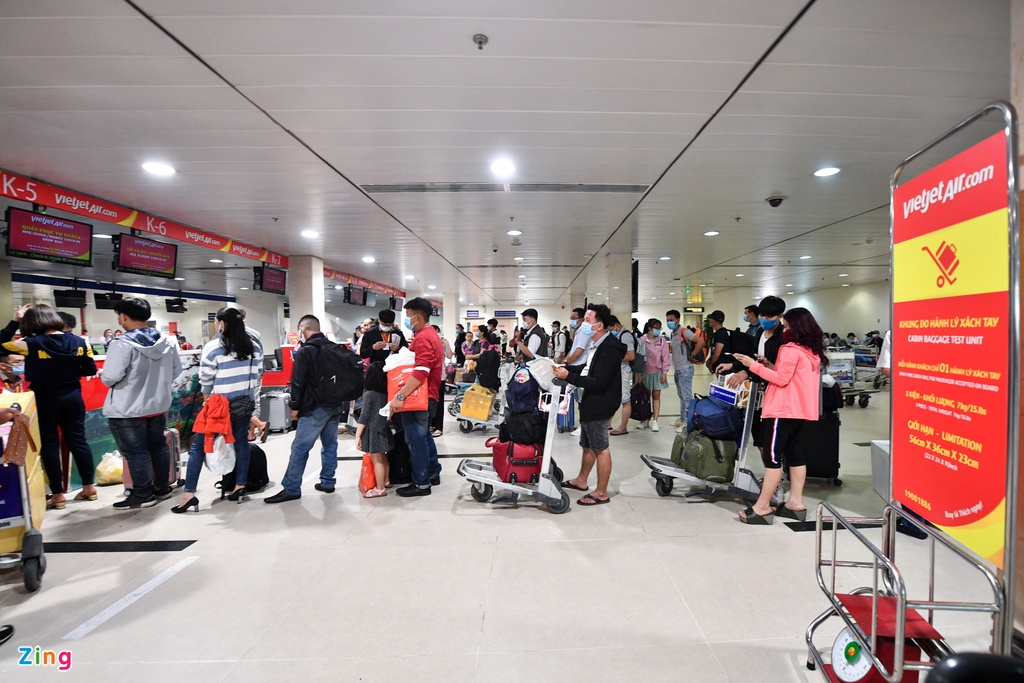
(683, 344)
(315, 421)
(140, 368)
(426, 344)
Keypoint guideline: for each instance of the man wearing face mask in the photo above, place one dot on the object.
(383, 339)
(601, 399)
(559, 342)
(750, 313)
(683, 344)
(580, 350)
(426, 344)
(769, 340)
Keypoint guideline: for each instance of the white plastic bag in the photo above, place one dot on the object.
(543, 370)
(222, 460)
(397, 360)
(110, 471)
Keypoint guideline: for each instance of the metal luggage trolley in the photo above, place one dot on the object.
(468, 423)
(842, 365)
(23, 501)
(548, 490)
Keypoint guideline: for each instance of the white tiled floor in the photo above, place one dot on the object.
(444, 588)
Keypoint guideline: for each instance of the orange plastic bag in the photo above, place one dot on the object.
(367, 478)
(417, 400)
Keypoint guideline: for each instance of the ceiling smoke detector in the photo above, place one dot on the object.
(480, 40)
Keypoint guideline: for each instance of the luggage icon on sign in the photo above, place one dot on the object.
(946, 260)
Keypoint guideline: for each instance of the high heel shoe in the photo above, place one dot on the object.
(238, 495)
(192, 503)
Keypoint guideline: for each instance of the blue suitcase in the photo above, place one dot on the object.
(567, 422)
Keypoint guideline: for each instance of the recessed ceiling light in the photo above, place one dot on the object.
(665, 258)
(158, 168)
(337, 286)
(460, 300)
(789, 285)
(598, 294)
(846, 285)
(827, 171)
(654, 298)
(671, 293)
(702, 285)
(368, 259)
(804, 258)
(739, 274)
(844, 275)
(711, 233)
(522, 277)
(587, 255)
(310, 234)
(789, 292)
(614, 287)
(180, 279)
(472, 304)
(519, 258)
(327, 301)
(514, 233)
(243, 288)
(409, 277)
(102, 236)
(503, 168)
(431, 286)
(216, 260)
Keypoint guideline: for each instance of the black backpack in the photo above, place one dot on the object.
(487, 369)
(339, 375)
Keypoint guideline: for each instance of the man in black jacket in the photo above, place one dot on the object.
(601, 398)
(383, 340)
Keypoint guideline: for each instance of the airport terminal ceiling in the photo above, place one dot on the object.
(632, 127)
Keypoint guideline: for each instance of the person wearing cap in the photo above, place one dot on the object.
(720, 345)
(383, 339)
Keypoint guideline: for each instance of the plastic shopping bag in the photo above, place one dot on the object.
(397, 360)
(110, 471)
(417, 400)
(221, 460)
(367, 477)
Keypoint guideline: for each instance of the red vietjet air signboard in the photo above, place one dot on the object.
(950, 340)
(37, 192)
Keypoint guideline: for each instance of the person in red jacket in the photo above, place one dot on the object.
(791, 400)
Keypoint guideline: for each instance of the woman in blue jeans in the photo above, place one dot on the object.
(230, 365)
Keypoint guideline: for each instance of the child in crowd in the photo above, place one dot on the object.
(373, 435)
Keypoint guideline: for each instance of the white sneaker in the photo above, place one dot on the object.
(680, 429)
(577, 431)
(643, 425)
(677, 423)
(655, 427)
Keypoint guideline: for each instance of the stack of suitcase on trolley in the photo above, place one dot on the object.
(518, 449)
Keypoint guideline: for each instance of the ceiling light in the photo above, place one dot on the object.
(846, 285)
(671, 293)
(503, 168)
(789, 285)
(327, 301)
(665, 258)
(711, 233)
(460, 300)
(102, 236)
(827, 171)
(243, 288)
(519, 258)
(598, 294)
(337, 286)
(158, 168)
(739, 274)
(472, 304)
(789, 292)
(216, 260)
(654, 298)
(431, 286)
(310, 234)
(702, 285)
(587, 255)
(180, 279)
(614, 287)
(844, 275)
(514, 233)
(368, 259)
(804, 258)
(409, 277)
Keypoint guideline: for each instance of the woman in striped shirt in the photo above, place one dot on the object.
(230, 365)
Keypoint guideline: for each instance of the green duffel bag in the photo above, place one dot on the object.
(708, 459)
(677, 449)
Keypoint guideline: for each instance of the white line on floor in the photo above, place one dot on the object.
(125, 602)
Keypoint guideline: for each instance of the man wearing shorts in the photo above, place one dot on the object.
(601, 399)
(629, 341)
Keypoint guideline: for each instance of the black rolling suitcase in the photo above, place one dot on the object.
(818, 442)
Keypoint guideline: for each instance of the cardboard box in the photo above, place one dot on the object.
(476, 402)
(880, 464)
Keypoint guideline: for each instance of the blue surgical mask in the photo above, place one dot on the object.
(767, 324)
(573, 323)
(586, 329)
(671, 324)
(655, 331)
(407, 322)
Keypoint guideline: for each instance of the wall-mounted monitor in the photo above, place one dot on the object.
(371, 298)
(69, 298)
(176, 305)
(106, 302)
(144, 256)
(270, 280)
(397, 303)
(48, 238)
(354, 295)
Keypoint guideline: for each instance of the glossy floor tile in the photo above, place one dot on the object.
(444, 588)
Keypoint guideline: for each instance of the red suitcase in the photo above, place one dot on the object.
(174, 446)
(516, 462)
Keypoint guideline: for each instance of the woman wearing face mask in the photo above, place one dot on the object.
(768, 339)
(659, 361)
(790, 401)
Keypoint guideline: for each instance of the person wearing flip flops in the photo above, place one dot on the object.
(601, 399)
(790, 400)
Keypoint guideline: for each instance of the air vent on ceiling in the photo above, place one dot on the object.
(420, 188)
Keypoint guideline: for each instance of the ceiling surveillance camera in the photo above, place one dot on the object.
(494, 248)
(775, 200)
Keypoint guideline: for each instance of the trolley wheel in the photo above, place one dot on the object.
(837, 481)
(42, 563)
(32, 572)
(481, 492)
(465, 426)
(561, 429)
(850, 400)
(863, 401)
(811, 666)
(557, 473)
(561, 506)
(663, 486)
(878, 382)
(453, 408)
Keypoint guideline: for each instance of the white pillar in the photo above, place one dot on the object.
(452, 312)
(265, 314)
(306, 287)
(619, 273)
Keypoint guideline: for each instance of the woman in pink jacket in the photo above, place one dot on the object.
(659, 362)
(792, 398)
